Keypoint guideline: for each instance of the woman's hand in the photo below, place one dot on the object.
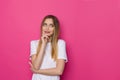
(32, 68)
(44, 38)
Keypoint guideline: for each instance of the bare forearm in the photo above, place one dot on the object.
(51, 71)
(38, 60)
(58, 70)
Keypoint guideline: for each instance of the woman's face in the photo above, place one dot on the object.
(48, 27)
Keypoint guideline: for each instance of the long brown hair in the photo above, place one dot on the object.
(54, 40)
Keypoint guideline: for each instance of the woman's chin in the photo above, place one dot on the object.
(48, 35)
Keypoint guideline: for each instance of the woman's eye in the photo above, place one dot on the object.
(44, 24)
(51, 25)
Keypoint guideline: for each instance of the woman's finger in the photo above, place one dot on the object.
(33, 70)
(46, 37)
(30, 64)
(31, 67)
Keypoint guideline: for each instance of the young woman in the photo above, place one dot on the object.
(48, 54)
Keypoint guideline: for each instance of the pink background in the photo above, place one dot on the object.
(91, 29)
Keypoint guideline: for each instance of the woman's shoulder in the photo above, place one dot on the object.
(60, 41)
(34, 41)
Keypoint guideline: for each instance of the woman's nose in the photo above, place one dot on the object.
(47, 27)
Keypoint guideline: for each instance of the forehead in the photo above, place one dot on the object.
(48, 21)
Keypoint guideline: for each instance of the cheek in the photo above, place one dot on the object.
(52, 30)
(43, 28)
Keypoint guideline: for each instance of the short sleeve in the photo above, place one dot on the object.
(33, 47)
(62, 50)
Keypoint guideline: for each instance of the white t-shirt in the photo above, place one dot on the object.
(48, 62)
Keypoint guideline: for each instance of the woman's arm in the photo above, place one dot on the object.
(37, 59)
(58, 70)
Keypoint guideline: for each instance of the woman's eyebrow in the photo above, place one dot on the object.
(48, 24)
(44, 23)
(51, 24)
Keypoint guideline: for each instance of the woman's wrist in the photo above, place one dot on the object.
(44, 44)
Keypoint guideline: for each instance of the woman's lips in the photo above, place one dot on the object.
(46, 31)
